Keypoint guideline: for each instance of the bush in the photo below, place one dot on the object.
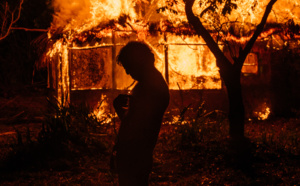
(67, 134)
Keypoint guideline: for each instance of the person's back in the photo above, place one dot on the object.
(140, 125)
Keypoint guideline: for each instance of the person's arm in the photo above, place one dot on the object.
(120, 104)
(140, 122)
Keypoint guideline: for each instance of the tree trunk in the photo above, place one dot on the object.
(230, 73)
(236, 114)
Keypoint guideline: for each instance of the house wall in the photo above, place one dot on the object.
(266, 88)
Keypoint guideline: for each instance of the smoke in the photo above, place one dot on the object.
(67, 12)
(283, 10)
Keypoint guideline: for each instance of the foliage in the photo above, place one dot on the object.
(275, 159)
(195, 124)
(75, 125)
(9, 14)
(199, 126)
(212, 6)
(169, 6)
(67, 133)
(17, 52)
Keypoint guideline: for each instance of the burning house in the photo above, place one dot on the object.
(87, 36)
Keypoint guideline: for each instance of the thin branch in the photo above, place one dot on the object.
(222, 61)
(30, 29)
(257, 32)
(12, 21)
(4, 15)
(19, 12)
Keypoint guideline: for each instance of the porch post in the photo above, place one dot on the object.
(166, 58)
(114, 86)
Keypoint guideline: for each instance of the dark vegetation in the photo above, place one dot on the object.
(18, 51)
(70, 146)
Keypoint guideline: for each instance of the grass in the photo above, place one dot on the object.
(65, 135)
(72, 147)
(209, 162)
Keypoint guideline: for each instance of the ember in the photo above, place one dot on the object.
(264, 113)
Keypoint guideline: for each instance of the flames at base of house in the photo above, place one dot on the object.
(100, 111)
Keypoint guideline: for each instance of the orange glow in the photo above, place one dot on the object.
(250, 64)
(191, 64)
(82, 15)
(91, 24)
(101, 110)
(264, 112)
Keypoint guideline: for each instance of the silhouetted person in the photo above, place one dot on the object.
(141, 118)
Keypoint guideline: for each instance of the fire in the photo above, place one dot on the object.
(82, 15)
(57, 47)
(264, 113)
(191, 64)
(101, 17)
(101, 110)
(249, 11)
(60, 52)
(185, 61)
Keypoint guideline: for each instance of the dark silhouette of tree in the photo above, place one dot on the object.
(9, 15)
(229, 72)
(22, 22)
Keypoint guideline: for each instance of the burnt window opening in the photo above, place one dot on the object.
(90, 69)
(250, 65)
(185, 63)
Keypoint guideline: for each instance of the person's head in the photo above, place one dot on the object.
(136, 58)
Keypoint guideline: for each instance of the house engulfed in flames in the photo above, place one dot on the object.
(88, 34)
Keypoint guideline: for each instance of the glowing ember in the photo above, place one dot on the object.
(264, 114)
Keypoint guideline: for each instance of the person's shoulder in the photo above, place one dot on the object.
(159, 88)
(159, 83)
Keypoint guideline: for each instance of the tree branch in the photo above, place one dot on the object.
(222, 61)
(30, 29)
(4, 32)
(257, 32)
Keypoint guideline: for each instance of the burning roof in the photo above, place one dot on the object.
(94, 18)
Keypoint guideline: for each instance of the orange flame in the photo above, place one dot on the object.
(264, 113)
(101, 110)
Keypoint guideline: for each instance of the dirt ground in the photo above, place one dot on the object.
(274, 157)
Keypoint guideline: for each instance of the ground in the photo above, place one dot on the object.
(197, 153)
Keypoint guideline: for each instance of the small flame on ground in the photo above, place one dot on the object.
(101, 111)
(264, 114)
